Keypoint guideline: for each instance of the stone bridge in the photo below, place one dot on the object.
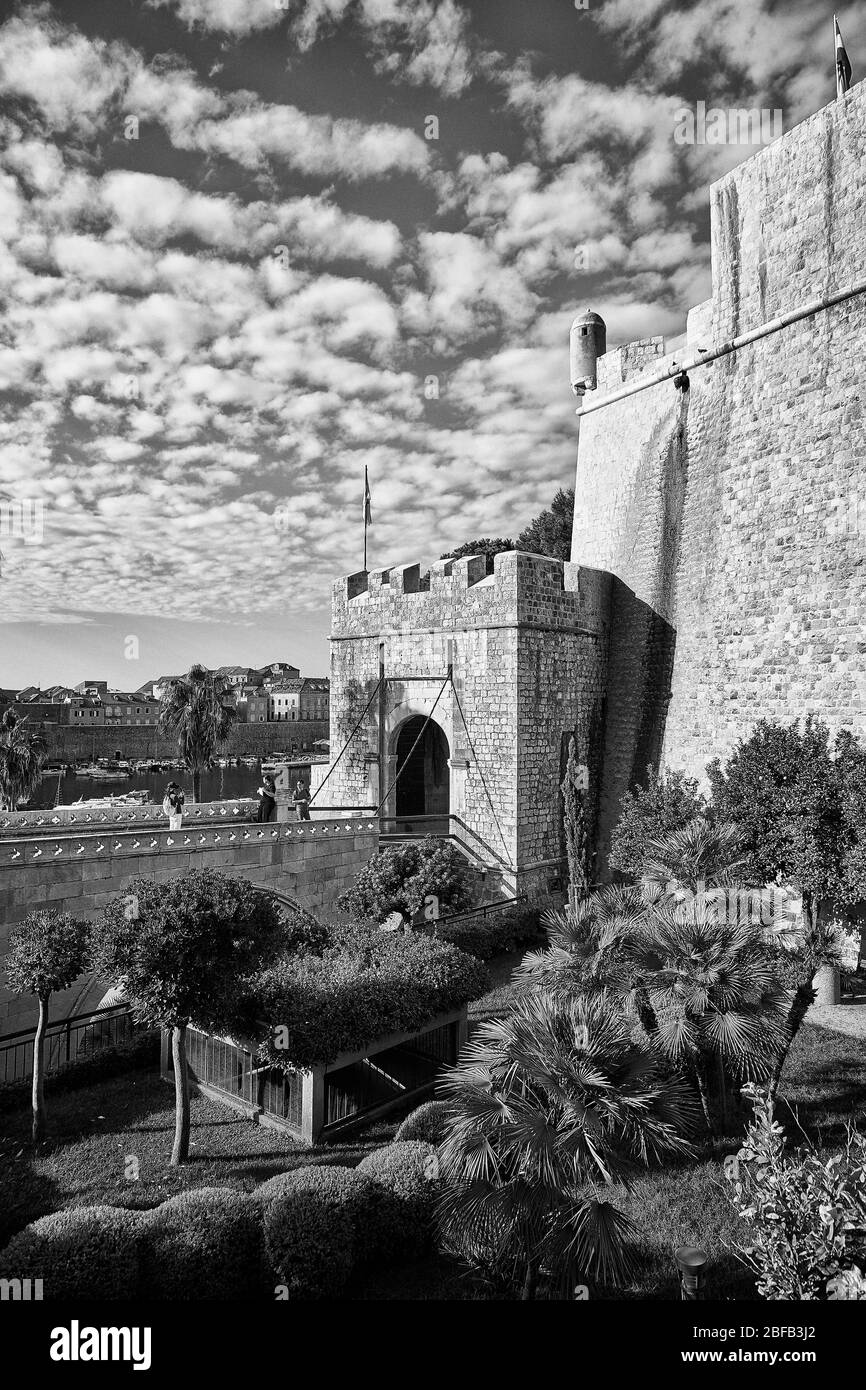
(78, 861)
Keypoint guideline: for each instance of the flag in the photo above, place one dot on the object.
(368, 515)
(843, 65)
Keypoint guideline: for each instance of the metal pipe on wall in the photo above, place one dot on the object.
(814, 306)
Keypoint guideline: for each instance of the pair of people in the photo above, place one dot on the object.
(268, 799)
(172, 805)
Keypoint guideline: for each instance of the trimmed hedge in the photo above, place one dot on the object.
(407, 1171)
(491, 933)
(141, 1050)
(429, 1122)
(205, 1243)
(86, 1252)
(307, 1229)
(364, 985)
(318, 1221)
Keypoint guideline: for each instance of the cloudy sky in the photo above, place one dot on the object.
(237, 237)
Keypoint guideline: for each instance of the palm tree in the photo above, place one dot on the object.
(590, 951)
(707, 992)
(550, 1105)
(700, 855)
(22, 756)
(198, 711)
(716, 994)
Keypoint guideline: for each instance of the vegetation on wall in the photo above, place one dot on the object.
(360, 985)
(408, 878)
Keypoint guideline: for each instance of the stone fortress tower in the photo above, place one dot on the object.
(731, 512)
(718, 570)
(485, 679)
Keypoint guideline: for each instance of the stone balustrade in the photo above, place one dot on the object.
(23, 822)
(111, 843)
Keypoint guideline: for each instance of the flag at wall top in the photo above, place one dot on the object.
(368, 515)
(843, 65)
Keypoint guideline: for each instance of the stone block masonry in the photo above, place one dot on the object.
(312, 862)
(733, 515)
(528, 649)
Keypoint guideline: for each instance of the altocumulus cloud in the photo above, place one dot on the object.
(238, 311)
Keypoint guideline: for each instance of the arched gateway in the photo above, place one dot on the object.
(423, 785)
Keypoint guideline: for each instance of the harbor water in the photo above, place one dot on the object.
(219, 784)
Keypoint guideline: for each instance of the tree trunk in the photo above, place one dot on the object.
(196, 784)
(530, 1283)
(38, 1131)
(645, 1012)
(180, 1152)
(703, 1091)
(723, 1091)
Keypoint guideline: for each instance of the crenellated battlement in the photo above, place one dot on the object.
(524, 590)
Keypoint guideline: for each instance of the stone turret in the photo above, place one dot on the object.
(588, 343)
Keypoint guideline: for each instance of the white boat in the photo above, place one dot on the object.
(136, 798)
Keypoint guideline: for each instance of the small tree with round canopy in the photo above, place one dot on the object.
(47, 953)
(183, 957)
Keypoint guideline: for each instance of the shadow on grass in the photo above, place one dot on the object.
(822, 1086)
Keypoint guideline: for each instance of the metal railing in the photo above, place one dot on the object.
(68, 1040)
(230, 1068)
(483, 909)
(446, 826)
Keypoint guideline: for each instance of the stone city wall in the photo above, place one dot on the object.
(733, 515)
(80, 872)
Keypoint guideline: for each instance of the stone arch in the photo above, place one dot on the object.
(424, 788)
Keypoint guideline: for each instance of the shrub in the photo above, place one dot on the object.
(88, 1252)
(401, 878)
(365, 985)
(428, 1123)
(205, 1243)
(807, 1214)
(667, 803)
(318, 1221)
(489, 934)
(303, 933)
(408, 1173)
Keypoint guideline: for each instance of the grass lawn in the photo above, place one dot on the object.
(96, 1132)
(492, 1004)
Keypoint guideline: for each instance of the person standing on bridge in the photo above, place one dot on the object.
(267, 798)
(172, 805)
(301, 799)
